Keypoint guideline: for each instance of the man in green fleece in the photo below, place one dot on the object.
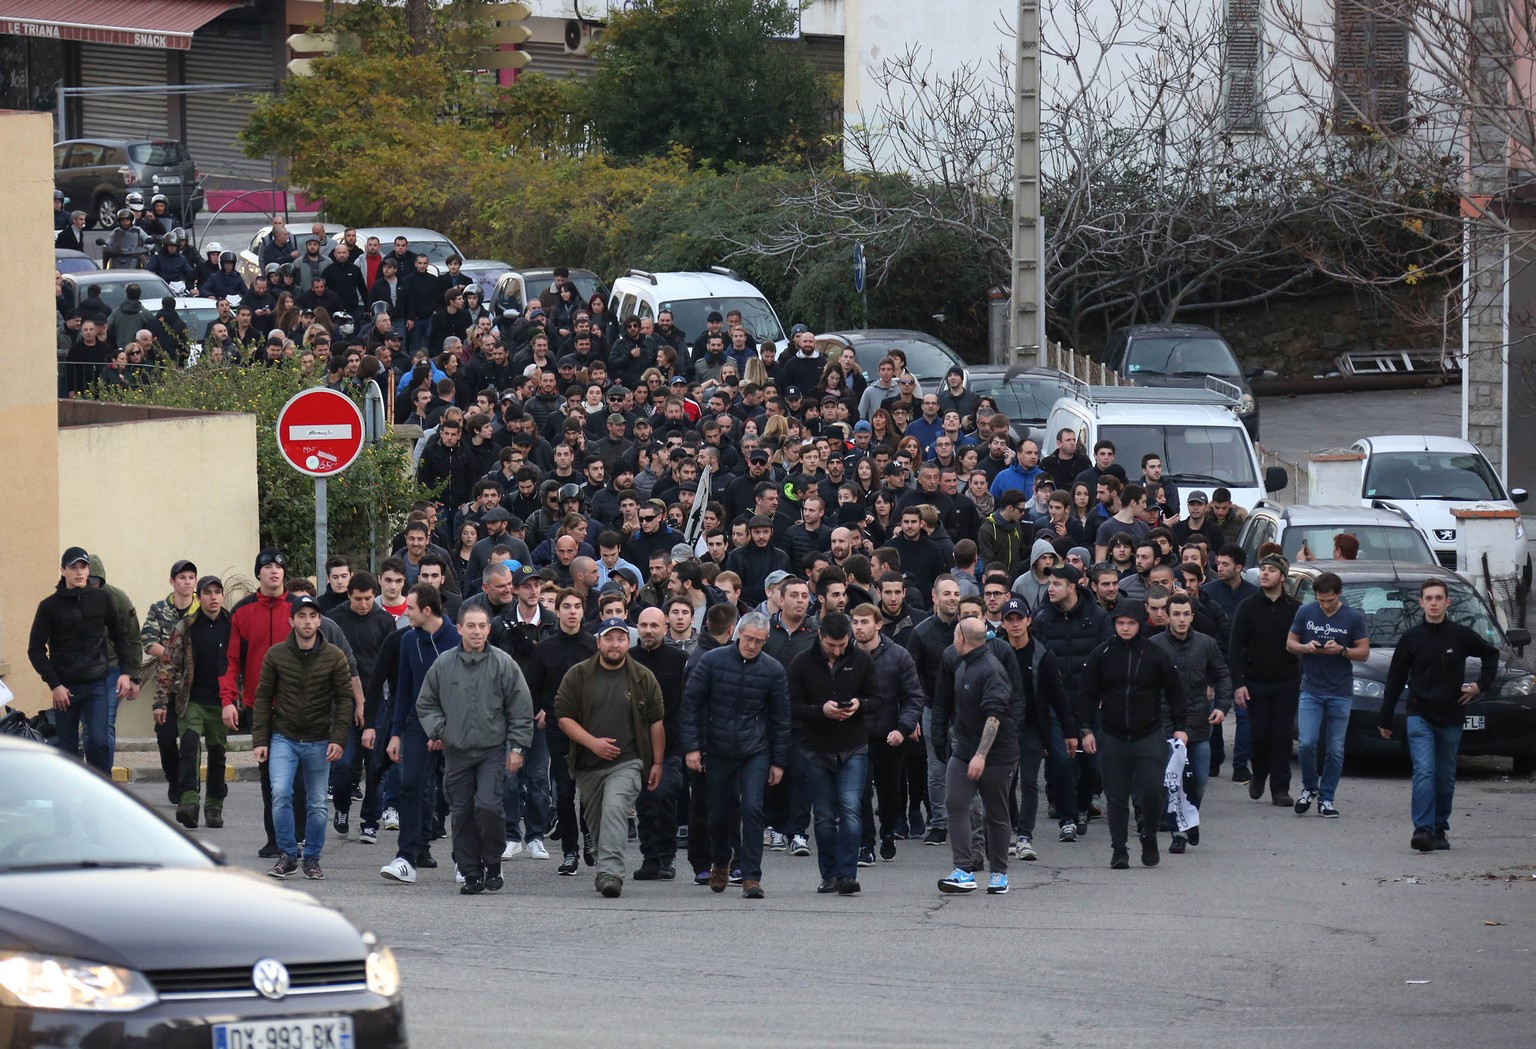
(302, 714)
(475, 704)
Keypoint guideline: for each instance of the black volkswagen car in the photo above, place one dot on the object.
(117, 931)
(1501, 722)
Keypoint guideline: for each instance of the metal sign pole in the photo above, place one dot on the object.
(322, 522)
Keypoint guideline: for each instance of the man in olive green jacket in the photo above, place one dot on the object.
(610, 707)
(302, 713)
(475, 706)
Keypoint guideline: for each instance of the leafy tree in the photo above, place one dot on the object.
(371, 497)
(709, 76)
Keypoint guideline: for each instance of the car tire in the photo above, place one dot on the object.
(104, 215)
(1524, 764)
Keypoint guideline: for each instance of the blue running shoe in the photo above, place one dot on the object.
(997, 885)
(959, 881)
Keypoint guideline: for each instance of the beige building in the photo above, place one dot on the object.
(140, 487)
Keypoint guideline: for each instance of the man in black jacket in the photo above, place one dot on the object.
(1127, 680)
(977, 735)
(892, 724)
(833, 692)
(518, 626)
(68, 649)
(1266, 679)
(552, 657)
(366, 627)
(927, 642)
(1042, 697)
(1431, 662)
(657, 809)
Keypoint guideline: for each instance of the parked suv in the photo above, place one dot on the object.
(1385, 534)
(1181, 355)
(97, 174)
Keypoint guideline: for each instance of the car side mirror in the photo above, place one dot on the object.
(1518, 495)
(1276, 479)
(1518, 637)
(1253, 373)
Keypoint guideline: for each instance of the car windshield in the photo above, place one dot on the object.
(1215, 456)
(73, 263)
(151, 290)
(1022, 400)
(198, 318)
(158, 154)
(756, 315)
(436, 251)
(1377, 542)
(56, 813)
(926, 360)
(1431, 475)
(1181, 355)
(1391, 606)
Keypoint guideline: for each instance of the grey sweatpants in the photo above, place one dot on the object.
(959, 791)
(938, 819)
(607, 796)
(473, 782)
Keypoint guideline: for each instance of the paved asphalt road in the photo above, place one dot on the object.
(1292, 426)
(1277, 931)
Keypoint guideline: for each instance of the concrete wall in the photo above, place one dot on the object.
(29, 469)
(143, 494)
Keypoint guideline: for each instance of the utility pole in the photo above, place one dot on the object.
(1026, 330)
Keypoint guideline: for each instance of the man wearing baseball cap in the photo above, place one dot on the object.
(68, 649)
(1125, 683)
(611, 710)
(1266, 679)
(1043, 694)
(155, 634)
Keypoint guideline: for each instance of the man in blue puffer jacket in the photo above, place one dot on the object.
(736, 711)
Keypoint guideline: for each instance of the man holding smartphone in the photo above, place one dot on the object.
(832, 688)
(1327, 634)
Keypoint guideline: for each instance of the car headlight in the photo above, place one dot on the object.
(1368, 688)
(42, 982)
(1247, 405)
(1524, 685)
(383, 973)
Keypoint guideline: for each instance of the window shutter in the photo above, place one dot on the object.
(1370, 71)
(1244, 42)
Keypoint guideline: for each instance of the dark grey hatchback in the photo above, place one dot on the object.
(118, 931)
(97, 175)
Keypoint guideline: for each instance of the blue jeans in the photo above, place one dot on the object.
(286, 756)
(532, 778)
(836, 784)
(1322, 719)
(736, 787)
(86, 729)
(1199, 772)
(1433, 750)
(88, 709)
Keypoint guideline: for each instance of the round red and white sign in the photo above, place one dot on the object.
(320, 432)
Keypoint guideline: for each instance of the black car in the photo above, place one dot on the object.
(1181, 355)
(1025, 395)
(1499, 722)
(117, 930)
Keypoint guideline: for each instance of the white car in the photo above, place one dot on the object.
(1428, 477)
(248, 259)
(692, 296)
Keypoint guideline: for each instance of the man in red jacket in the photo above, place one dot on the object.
(258, 623)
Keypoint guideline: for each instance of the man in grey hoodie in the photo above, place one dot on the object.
(1032, 584)
(475, 707)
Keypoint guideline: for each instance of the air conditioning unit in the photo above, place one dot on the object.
(580, 36)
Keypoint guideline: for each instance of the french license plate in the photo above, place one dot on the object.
(1474, 721)
(326, 1032)
(169, 180)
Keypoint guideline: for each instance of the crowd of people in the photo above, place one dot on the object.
(671, 589)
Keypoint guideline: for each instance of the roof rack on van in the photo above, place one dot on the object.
(642, 274)
(725, 271)
(1214, 391)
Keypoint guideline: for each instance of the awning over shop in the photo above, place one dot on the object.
(158, 24)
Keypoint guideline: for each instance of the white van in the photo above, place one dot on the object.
(691, 296)
(1196, 432)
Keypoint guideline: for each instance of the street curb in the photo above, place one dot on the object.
(232, 774)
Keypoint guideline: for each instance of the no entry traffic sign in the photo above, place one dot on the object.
(320, 432)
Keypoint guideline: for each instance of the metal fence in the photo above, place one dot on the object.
(1081, 367)
(1296, 490)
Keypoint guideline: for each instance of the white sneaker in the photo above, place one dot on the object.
(390, 820)
(798, 846)
(399, 869)
(458, 876)
(776, 841)
(536, 850)
(513, 850)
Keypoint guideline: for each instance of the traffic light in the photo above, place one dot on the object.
(317, 45)
(504, 31)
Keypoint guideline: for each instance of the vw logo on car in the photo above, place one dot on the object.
(270, 978)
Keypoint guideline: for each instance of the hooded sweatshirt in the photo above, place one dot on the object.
(1130, 681)
(126, 613)
(1029, 586)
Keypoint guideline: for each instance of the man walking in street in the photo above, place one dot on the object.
(159, 621)
(976, 732)
(1203, 669)
(1042, 695)
(611, 710)
(68, 649)
(187, 698)
(1129, 680)
(832, 692)
(1266, 678)
(656, 808)
(1327, 634)
(1431, 663)
(551, 658)
(474, 703)
(1228, 590)
(736, 716)
(897, 720)
(301, 716)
